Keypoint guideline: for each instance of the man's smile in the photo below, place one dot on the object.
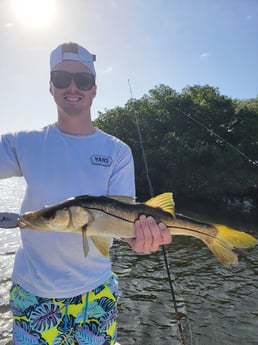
(72, 98)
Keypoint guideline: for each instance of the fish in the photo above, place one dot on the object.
(103, 217)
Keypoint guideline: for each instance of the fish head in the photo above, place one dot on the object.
(65, 218)
(48, 218)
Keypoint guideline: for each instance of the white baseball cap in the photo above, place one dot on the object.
(72, 51)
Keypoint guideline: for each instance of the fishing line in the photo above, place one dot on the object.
(212, 133)
(172, 290)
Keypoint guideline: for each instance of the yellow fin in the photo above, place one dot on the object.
(102, 244)
(123, 198)
(235, 238)
(164, 201)
(225, 240)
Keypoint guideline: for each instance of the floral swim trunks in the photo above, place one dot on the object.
(85, 319)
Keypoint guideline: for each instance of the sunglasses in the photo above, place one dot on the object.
(62, 80)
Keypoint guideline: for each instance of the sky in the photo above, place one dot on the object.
(178, 43)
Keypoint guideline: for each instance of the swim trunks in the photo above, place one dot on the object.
(89, 318)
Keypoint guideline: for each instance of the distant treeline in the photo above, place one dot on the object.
(198, 143)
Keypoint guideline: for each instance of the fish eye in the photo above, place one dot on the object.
(48, 216)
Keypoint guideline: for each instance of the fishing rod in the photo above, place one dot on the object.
(164, 251)
(212, 133)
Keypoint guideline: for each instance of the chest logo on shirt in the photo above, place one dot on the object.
(105, 161)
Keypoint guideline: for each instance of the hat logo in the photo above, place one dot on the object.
(70, 48)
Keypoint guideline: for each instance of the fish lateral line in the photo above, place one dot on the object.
(107, 213)
(126, 219)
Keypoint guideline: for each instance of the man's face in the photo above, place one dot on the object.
(71, 100)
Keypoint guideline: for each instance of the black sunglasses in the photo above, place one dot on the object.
(62, 80)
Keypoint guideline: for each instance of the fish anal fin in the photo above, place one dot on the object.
(85, 241)
(102, 244)
(164, 201)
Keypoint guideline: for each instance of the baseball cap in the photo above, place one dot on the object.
(72, 51)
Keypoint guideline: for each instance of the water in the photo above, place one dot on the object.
(11, 193)
(216, 305)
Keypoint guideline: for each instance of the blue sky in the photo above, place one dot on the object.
(150, 42)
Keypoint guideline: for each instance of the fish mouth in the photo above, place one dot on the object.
(26, 223)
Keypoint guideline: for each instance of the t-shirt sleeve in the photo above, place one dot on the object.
(122, 181)
(9, 163)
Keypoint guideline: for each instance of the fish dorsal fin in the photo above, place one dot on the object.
(123, 198)
(164, 201)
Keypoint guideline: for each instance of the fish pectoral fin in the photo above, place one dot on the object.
(164, 201)
(85, 240)
(102, 244)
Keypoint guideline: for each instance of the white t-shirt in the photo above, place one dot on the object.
(57, 166)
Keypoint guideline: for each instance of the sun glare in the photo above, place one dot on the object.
(34, 13)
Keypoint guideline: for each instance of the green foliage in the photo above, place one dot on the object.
(195, 141)
(250, 104)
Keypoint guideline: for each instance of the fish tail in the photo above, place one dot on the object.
(225, 240)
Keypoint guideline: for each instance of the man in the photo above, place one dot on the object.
(58, 295)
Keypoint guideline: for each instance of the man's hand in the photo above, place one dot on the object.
(149, 235)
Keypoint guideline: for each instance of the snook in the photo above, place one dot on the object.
(102, 217)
